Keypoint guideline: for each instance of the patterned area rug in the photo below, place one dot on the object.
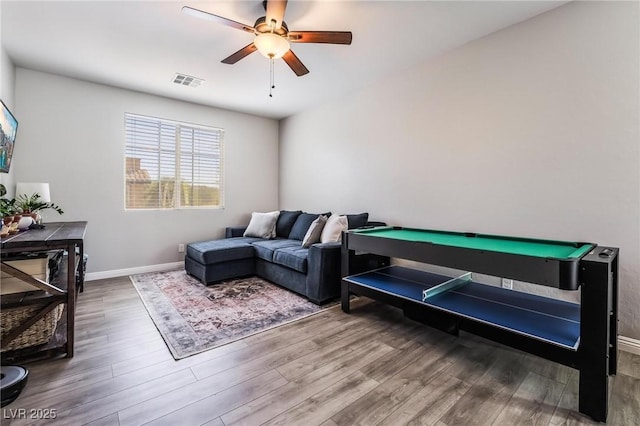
(193, 318)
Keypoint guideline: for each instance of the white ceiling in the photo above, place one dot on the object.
(140, 45)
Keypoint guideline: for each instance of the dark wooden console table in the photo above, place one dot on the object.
(68, 236)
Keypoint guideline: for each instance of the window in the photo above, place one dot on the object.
(171, 165)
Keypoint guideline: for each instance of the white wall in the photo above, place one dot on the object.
(7, 82)
(72, 136)
(532, 131)
(7, 73)
(7, 79)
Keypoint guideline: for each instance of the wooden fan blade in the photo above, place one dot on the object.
(331, 37)
(245, 51)
(294, 63)
(215, 18)
(275, 12)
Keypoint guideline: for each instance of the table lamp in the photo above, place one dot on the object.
(30, 188)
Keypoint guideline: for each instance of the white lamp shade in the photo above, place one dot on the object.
(30, 188)
(271, 45)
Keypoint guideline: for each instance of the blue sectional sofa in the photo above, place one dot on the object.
(313, 272)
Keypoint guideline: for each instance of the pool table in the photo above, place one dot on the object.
(545, 262)
(582, 336)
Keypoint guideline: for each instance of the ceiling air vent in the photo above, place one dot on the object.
(187, 80)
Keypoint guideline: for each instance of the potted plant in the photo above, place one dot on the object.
(33, 205)
(7, 206)
(8, 209)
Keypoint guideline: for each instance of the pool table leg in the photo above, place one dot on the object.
(344, 272)
(596, 355)
(613, 326)
(345, 297)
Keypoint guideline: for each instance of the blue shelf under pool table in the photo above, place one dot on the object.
(550, 320)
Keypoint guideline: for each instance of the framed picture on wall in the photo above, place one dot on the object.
(8, 130)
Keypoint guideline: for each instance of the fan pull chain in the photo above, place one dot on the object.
(271, 77)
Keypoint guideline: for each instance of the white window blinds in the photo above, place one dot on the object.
(171, 165)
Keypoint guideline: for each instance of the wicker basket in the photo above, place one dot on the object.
(39, 333)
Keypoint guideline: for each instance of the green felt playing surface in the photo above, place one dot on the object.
(521, 246)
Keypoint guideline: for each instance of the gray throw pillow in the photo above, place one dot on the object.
(332, 231)
(262, 225)
(315, 231)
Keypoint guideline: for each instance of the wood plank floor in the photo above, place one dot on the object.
(371, 367)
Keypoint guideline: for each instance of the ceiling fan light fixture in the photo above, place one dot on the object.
(271, 45)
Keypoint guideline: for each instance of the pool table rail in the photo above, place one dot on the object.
(558, 272)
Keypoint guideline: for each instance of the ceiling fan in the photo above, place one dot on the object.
(272, 36)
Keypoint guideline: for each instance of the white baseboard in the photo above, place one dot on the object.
(92, 276)
(628, 344)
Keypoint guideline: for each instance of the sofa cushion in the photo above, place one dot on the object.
(357, 220)
(302, 224)
(294, 257)
(332, 231)
(217, 251)
(262, 225)
(264, 249)
(315, 231)
(285, 222)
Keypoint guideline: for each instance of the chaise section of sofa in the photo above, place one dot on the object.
(217, 260)
(312, 271)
